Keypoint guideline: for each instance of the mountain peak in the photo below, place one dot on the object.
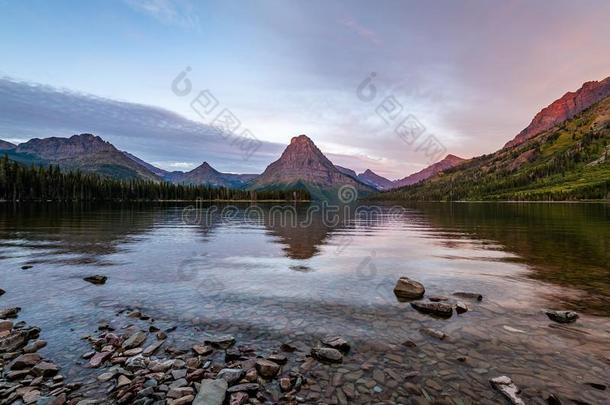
(303, 163)
(569, 105)
(301, 139)
(447, 163)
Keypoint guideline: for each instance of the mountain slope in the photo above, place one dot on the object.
(206, 174)
(571, 104)
(4, 145)
(153, 169)
(374, 180)
(303, 165)
(83, 152)
(447, 163)
(568, 162)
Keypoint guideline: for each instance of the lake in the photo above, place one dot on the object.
(295, 274)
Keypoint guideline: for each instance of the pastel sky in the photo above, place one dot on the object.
(473, 73)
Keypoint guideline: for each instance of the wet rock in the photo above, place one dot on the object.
(327, 354)
(434, 333)
(231, 375)
(438, 298)
(239, 398)
(277, 358)
(5, 325)
(553, 399)
(409, 343)
(59, 399)
(2, 292)
(597, 386)
(337, 342)
(211, 392)
(469, 295)
(506, 386)
(135, 340)
(267, 369)
(122, 381)
(409, 289)
(248, 387)
(460, 307)
(97, 279)
(203, 350)
(26, 267)
(9, 312)
(434, 308)
(288, 348)
(99, 358)
(28, 360)
(285, 384)
(153, 348)
(34, 346)
(562, 316)
(221, 342)
(45, 369)
(137, 362)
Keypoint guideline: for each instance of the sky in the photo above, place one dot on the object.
(468, 75)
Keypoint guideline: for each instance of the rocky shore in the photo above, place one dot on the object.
(135, 359)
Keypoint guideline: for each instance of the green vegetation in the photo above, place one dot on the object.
(569, 162)
(37, 183)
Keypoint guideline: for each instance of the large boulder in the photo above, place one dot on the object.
(267, 369)
(408, 289)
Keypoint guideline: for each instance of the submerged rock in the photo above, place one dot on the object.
(562, 316)
(327, 354)
(97, 279)
(409, 289)
(2, 291)
(211, 392)
(230, 375)
(434, 333)
(506, 386)
(435, 308)
(336, 342)
(135, 340)
(469, 295)
(221, 342)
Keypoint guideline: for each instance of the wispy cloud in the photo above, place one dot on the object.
(169, 12)
(360, 30)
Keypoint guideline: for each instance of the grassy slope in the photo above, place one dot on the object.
(567, 162)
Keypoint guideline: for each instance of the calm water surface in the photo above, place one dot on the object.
(269, 282)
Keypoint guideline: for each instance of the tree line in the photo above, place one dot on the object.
(38, 183)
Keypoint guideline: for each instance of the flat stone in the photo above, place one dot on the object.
(25, 361)
(180, 392)
(506, 386)
(562, 316)
(211, 392)
(203, 350)
(277, 358)
(99, 358)
(434, 333)
(248, 387)
(182, 401)
(34, 346)
(136, 362)
(97, 279)
(336, 342)
(409, 289)
(150, 350)
(267, 369)
(132, 352)
(327, 354)
(469, 295)
(434, 308)
(135, 340)
(122, 381)
(221, 342)
(231, 375)
(45, 369)
(5, 325)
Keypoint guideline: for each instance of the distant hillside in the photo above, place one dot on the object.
(153, 169)
(206, 174)
(567, 162)
(374, 180)
(4, 145)
(83, 152)
(447, 163)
